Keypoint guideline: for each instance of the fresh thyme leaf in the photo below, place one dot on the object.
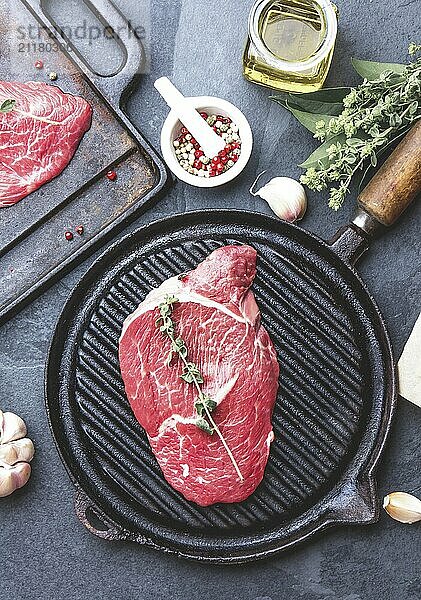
(309, 120)
(205, 402)
(188, 377)
(7, 105)
(414, 48)
(178, 346)
(200, 409)
(191, 373)
(204, 426)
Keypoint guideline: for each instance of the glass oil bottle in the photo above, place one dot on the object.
(290, 44)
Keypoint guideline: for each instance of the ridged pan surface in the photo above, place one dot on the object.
(331, 416)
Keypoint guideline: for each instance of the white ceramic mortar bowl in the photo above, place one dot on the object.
(217, 106)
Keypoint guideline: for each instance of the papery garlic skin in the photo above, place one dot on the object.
(14, 478)
(16, 451)
(285, 196)
(12, 427)
(403, 507)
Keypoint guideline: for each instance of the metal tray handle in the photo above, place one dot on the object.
(113, 86)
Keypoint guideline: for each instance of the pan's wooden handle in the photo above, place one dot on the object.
(397, 182)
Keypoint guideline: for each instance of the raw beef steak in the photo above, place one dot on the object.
(38, 137)
(218, 318)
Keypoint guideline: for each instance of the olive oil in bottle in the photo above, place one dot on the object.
(290, 44)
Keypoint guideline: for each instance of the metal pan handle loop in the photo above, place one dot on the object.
(86, 512)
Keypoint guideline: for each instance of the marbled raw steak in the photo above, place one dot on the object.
(218, 318)
(38, 137)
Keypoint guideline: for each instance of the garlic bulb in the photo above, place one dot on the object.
(403, 507)
(16, 452)
(285, 196)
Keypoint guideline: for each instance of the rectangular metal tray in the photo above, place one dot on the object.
(33, 248)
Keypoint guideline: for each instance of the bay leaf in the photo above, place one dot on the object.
(371, 70)
(307, 119)
(328, 101)
(320, 154)
(279, 100)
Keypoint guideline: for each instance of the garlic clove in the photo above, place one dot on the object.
(285, 196)
(17, 451)
(12, 427)
(14, 478)
(403, 507)
(7, 485)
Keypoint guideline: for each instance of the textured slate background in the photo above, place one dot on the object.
(44, 551)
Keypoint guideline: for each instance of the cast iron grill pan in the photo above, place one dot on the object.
(331, 416)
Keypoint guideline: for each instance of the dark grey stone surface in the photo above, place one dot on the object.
(44, 551)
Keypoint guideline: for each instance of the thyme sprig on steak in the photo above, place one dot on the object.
(191, 374)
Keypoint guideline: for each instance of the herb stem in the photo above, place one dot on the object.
(192, 374)
(224, 443)
(215, 426)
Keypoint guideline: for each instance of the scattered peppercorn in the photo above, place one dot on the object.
(80, 229)
(192, 157)
(112, 175)
(38, 64)
(69, 236)
(53, 76)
